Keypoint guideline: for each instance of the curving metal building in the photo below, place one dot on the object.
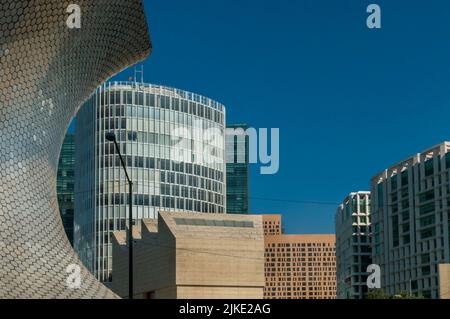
(47, 70)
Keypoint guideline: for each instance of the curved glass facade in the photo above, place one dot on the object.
(65, 184)
(175, 163)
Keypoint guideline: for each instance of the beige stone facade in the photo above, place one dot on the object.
(272, 225)
(444, 281)
(193, 256)
(298, 266)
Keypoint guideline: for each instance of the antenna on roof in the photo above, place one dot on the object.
(139, 71)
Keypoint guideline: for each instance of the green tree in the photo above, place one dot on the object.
(377, 294)
(380, 294)
(406, 295)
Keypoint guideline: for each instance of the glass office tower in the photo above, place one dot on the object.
(237, 148)
(174, 162)
(65, 184)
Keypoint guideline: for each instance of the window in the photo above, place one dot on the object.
(129, 97)
(212, 223)
(427, 233)
(426, 196)
(427, 208)
(447, 160)
(427, 221)
(426, 270)
(380, 195)
(425, 258)
(404, 177)
(117, 97)
(406, 239)
(429, 167)
(140, 98)
(395, 232)
(394, 183)
(132, 136)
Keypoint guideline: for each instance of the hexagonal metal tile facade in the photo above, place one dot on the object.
(47, 70)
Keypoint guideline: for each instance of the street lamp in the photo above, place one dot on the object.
(110, 136)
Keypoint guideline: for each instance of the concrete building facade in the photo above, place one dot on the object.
(353, 250)
(410, 217)
(193, 256)
(298, 266)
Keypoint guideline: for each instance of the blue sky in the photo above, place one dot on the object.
(349, 101)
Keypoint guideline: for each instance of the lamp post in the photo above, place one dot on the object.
(110, 136)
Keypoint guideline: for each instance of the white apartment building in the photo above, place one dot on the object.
(353, 252)
(410, 218)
